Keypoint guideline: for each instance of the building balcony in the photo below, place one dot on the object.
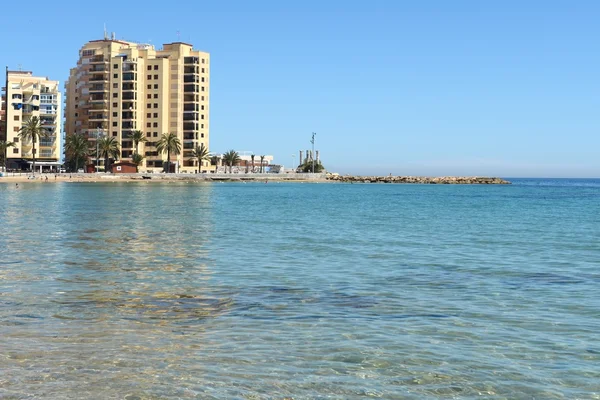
(129, 67)
(45, 111)
(190, 116)
(190, 70)
(190, 107)
(189, 136)
(189, 98)
(129, 86)
(98, 89)
(97, 106)
(129, 96)
(191, 88)
(128, 105)
(191, 79)
(98, 68)
(99, 78)
(189, 126)
(129, 76)
(191, 60)
(98, 60)
(128, 115)
(128, 125)
(98, 99)
(97, 117)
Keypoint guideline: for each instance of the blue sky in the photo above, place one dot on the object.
(505, 88)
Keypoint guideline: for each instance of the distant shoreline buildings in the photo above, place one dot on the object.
(119, 87)
(116, 88)
(26, 96)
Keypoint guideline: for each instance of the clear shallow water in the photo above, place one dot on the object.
(153, 291)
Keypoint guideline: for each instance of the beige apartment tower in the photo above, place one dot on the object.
(24, 97)
(119, 87)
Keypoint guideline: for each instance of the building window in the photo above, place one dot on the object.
(115, 85)
(149, 86)
(202, 126)
(202, 98)
(115, 94)
(202, 107)
(202, 79)
(148, 134)
(148, 105)
(156, 95)
(202, 135)
(149, 77)
(15, 151)
(202, 70)
(148, 125)
(114, 133)
(114, 123)
(155, 105)
(155, 125)
(16, 140)
(203, 88)
(155, 76)
(155, 115)
(115, 66)
(16, 118)
(77, 114)
(149, 115)
(115, 114)
(203, 61)
(16, 129)
(155, 86)
(155, 134)
(115, 104)
(156, 67)
(202, 116)
(116, 76)
(149, 67)
(149, 96)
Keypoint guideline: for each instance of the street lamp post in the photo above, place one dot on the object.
(312, 156)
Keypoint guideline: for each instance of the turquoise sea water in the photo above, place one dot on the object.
(181, 290)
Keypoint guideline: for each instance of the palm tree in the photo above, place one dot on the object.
(137, 159)
(137, 137)
(262, 158)
(3, 148)
(169, 143)
(108, 147)
(32, 130)
(77, 148)
(252, 158)
(231, 157)
(200, 153)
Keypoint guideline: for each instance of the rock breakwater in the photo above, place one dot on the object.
(443, 180)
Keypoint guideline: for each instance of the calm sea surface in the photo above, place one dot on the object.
(327, 291)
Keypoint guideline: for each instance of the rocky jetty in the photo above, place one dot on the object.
(443, 180)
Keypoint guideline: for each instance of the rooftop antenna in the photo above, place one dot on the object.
(105, 33)
(113, 36)
(19, 65)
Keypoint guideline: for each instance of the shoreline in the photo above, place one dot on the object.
(300, 178)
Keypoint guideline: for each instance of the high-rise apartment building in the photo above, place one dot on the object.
(26, 96)
(119, 87)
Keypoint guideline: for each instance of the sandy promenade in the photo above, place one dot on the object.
(143, 177)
